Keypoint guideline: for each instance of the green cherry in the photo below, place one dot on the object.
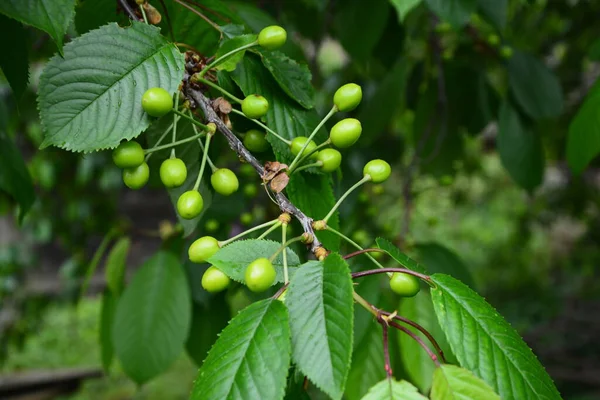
(378, 170)
(347, 97)
(404, 285)
(272, 37)
(173, 172)
(213, 280)
(345, 133)
(255, 106)
(224, 181)
(506, 52)
(128, 155)
(157, 102)
(190, 204)
(255, 140)
(298, 143)
(136, 177)
(260, 275)
(202, 249)
(331, 159)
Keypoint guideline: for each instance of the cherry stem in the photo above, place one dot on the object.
(363, 251)
(175, 118)
(192, 120)
(246, 232)
(212, 166)
(313, 151)
(341, 199)
(203, 163)
(307, 166)
(160, 139)
(312, 135)
(266, 128)
(143, 13)
(177, 143)
(353, 243)
(271, 229)
(280, 291)
(417, 339)
(224, 57)
(285, 265)
(386, 350)
(392, 270)
(284, 246)
(217, 87)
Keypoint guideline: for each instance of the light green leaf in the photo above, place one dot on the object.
(153, 318)
(367, 362)
(457, 12)
(13, 55)
(250, 360)
(403, 7)
(484, 343)
(107, 317)
(208, 320)
(583, 142)
(495, 11)
(14, 176)
(235, 257)
(114, 269)
(454, 383)
(321, 319)
(439, 258)
(535, 88)
(84, 107)
(393, 390)
(229, 45)
(51, 16)
(404, 260)
(521, 150)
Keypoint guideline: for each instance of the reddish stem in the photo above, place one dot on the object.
(385, 270)
(417, 339)
(363, 251)
(386, 349)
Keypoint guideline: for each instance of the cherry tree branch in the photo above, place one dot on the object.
(130, 12)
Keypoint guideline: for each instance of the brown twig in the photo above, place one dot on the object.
(386, 349)
(417, 339)
(130, 12)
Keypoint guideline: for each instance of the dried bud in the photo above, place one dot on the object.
(321, 253)
(212, 128)
(319, 225)
(285, 218)
(307, 238)
(221, 105)
(152, 14)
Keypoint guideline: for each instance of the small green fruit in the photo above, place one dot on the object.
(136, 177)
(272, 37)
(331, 159)
(347, 97)
(255, 140)
(506, 52)
(345, 133)
(190, 204)
(128, 155)
(378, 170)
(202, 249)
(250, 190)
(246, 218)
(298, 143)
(255, 106)
(213, 280)
(404, 285)
(157, 102)
(173, 172)
(224, 181)
(260, 275)
(212, 225)
(493, 40)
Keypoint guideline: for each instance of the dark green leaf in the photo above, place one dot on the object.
(14, 176)
(92, 14)
(583, 143)
(229, 45)
(438, 258)
(153, 318)
(487, 345)
(367, 362)
(114, 269)
(107, 316)
(360, 42)
(535, 88)
(520, 149)
(235, 257)
(93, 264)
(250, 360)
(321, 319)
(393, 390)
(495, 11)
(403, 7)
(594, 51)
(454, 383)
(51, 16)
(207, 322)
(457, 12)
(399, 256)
(13, 55)
(86, 108)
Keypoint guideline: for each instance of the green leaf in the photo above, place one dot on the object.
(521, 150)
(13, 55)
(152, 318)
(367, 362)
(438, 258)
(321, 319)
(114, 269)
(594, 51)
(229, 45)
(535, 88)
(107, 317)
(393, 390)
(51, 16)
(250, 360)
(361, 42)
(403, 7)
(495, 11)
(14, 176)
(92, 14)
(583, 142)
(235, 257)
(85, 108)
(399, 256)
(454, 383)
(417, 363)
(207, 322)
(457, 12)
(93, 264)
(293, 78)
(487, 345)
